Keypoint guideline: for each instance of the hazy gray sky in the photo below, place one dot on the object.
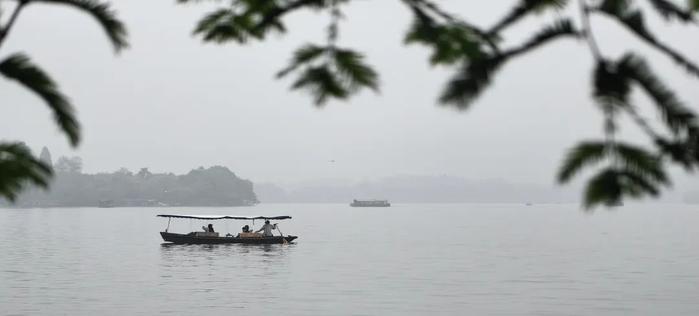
(172, 103)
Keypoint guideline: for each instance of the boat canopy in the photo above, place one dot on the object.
(214, 217)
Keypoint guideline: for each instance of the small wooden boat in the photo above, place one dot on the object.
(210, 237)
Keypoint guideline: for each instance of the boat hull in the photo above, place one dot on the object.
(192, 239)
(370, 205)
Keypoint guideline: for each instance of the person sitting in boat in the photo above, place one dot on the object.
(267, 228)
(246, 229)
(211, 228)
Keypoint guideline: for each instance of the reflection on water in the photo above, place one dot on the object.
(221, 275)
(170, 251)
(403, 260)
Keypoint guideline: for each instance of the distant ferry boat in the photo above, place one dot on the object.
(129, 203)
(370, 203)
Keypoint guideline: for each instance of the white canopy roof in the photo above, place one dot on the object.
(215, 217)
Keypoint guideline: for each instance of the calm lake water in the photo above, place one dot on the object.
(445, 259)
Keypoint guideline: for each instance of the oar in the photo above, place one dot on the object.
(280, 231)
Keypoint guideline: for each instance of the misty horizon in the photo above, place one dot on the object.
(398, 188)
(331, 157)
(172, 104)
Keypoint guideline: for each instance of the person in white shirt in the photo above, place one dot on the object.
(267, 227)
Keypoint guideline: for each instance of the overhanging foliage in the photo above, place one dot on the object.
(18, 166)
(477, 54)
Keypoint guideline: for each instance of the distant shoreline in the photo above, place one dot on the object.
(394, 204)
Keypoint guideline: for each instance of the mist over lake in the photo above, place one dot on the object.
(494, 259)
(349, 157)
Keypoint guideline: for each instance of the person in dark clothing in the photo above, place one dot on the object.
(246, 229)
(211, 228)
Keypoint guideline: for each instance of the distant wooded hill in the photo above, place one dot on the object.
(214, 186)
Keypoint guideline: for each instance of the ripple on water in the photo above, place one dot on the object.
(500, 260)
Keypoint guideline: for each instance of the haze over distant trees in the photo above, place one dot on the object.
(214, 186)
(45, 157)
(69, 165)
(415, 189)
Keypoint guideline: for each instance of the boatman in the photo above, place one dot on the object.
(267, 227)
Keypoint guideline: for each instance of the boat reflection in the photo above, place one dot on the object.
(193, 252)
(242, 248)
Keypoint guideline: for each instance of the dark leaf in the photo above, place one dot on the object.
(604, 188)
(680, 152)
(105, 16)
(561, 28)
(18, 67)
(610, 186)
(19, 168)
(675, 113)
(523, 8)
(477, 73)
(322, 84)
(224, 25)
(341, 72)
(270, 13)
(637, 185)
(635, 172)
(245, 19)
(670, 10)
(584, 154)
(640, 162)
(633, 20)
(693, 5)
(450, 43)
(615, 5)
(355, 73)
(611, 88)
(303, 55)
(470, 81)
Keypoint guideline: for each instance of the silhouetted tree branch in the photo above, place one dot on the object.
(18, 166)
(476, 54)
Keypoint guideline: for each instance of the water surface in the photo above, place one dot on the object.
(444, 259)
